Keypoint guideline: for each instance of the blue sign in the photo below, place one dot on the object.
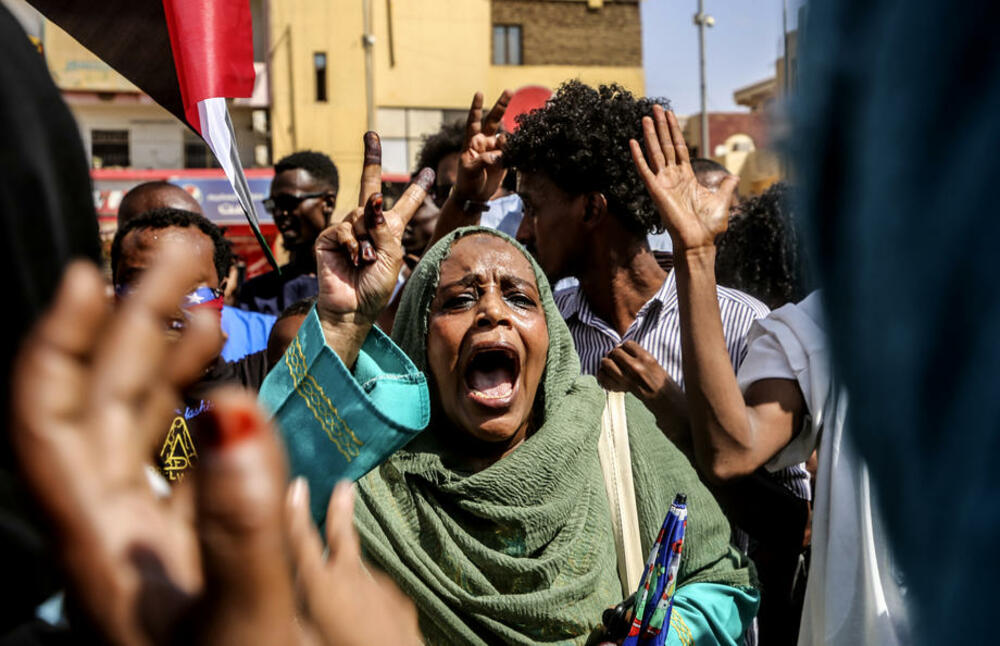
(219, 202)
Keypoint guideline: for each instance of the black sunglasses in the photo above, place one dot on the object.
(287, 203)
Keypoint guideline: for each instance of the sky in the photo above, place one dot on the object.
(741, 49)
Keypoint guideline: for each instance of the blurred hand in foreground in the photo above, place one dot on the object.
(210, 562)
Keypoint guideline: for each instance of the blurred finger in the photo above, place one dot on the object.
(680, 146)
(413, 197)
(492, 121)
(60, 346)
(240, 506)
(200, 342)
(340, 535)
(130, 356)
(304, 541)
(77, 313)
(663, 134)
(371, 172)
(653, 151)
(473, 124)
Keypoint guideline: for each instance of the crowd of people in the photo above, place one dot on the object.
(179, 461)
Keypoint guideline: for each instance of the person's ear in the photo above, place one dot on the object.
(595, 207)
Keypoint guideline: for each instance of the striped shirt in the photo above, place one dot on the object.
(657, 330)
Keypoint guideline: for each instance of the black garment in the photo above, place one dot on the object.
(181, 442)
(271, 293)
(47, 218)
(248, 371)
(895, 142)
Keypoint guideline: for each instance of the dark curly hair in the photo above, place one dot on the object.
(449, 139)
(580, 141)
(165, 218)
(761, 253)
(316, 164)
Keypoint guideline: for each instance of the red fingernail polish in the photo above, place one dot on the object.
(229, 427)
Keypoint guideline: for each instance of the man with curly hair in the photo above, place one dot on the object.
(587, 215)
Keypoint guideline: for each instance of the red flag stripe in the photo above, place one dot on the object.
(212, 43)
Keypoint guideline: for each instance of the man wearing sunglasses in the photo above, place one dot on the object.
(303, 197)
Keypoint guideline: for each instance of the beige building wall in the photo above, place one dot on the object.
(429, 58)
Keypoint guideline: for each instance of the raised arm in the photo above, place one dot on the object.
(480, 168)
(732, 435)
(359, 259)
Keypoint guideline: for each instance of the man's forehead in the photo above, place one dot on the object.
(295, 180)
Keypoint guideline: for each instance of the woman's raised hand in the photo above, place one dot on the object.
(358, 260)
(692, 214)
(480, 165)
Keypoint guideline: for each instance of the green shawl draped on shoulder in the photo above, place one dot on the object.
(522, 552)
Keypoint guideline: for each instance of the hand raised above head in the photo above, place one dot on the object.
(480, 164)
(692, 214)
(358, 260)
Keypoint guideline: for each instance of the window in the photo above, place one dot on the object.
(319, 62)
(109, 148)
(507, 44)
(197, 153)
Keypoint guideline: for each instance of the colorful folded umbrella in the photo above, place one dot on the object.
(654, 600)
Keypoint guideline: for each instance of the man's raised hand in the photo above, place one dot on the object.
(692, 214)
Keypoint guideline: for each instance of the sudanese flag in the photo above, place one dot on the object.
(188, 55)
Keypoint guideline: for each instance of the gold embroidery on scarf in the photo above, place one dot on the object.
(320, 405)
(178, 453)
(681, 628)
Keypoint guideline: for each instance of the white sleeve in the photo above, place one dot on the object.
(789, 344)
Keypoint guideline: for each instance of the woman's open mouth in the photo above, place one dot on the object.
(491, 375)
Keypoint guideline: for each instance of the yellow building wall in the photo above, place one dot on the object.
(73, 67)
(441, 55)
(298, 29)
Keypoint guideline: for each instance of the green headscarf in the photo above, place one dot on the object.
(523, 552)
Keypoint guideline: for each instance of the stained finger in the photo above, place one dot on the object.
(371, 173)
(413, 197)
(491, 124)
(473, 124)
(653, 151)
(364, 226)
(680, 146)
(663, 134)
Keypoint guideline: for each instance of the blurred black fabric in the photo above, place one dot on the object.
(895, 149)
(47, 214)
